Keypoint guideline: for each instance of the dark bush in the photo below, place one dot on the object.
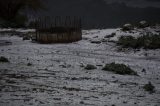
(127, 27)
(13, 11)
(3, 59)
(29, 64)
(17, 22)
(32, 24)
(119, 69)
(111, 35)
(71, 89)
(146, 42)
(149, 87)
(26, 37)
(127, 41)
(143, 24)
(90, 67)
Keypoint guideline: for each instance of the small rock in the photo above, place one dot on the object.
(29, 64)
(90, 67)
(26, 38)
(143, 24)
(5, 42)
(110, 36)
(3, 59)
(144, 70)
(104, 40)
(149, 87)
(113, 77)
(81, 102)
(96, 41)
(146, 54)
(95, 37)
(127, 27)
(84, 38)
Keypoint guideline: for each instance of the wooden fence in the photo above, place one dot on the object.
(58, 29)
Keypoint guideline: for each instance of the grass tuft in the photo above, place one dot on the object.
(90, 67)
(149, 87)
(146, 42)
(119, 69)
(29, 64)
(3, 59)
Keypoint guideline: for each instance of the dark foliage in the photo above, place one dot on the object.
(11, 11)
(149, 87)
(17, 22)
(29, 64)
(3, 59)
(119, 69)
(146, 42)
(90, 67)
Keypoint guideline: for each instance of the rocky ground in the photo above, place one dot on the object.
(54, 74)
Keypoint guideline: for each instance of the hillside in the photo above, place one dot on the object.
(99, 14)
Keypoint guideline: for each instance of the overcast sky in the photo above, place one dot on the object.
(139, 3)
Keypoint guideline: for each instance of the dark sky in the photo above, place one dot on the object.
(105, 13)
(138, 3)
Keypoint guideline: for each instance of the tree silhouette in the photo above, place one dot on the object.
(10, 9)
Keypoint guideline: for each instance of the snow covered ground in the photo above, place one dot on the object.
(56, 75)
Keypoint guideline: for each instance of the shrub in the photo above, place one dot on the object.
(17, 22)
(111, 35)
(127, 41)
(29, 64)
(143, 24)
(119, 69)
(127, 27)
(32, 24)
(71, 89)
(90, 67)
(146, 41)
(149, 87)
(14, 9)
(3, 59)
(26, 37)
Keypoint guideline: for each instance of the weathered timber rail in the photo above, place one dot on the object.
(58, 29)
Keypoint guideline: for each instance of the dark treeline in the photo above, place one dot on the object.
(93, 13)
(12, 12)
(99, 14)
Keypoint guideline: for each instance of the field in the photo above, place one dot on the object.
(55, 74)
